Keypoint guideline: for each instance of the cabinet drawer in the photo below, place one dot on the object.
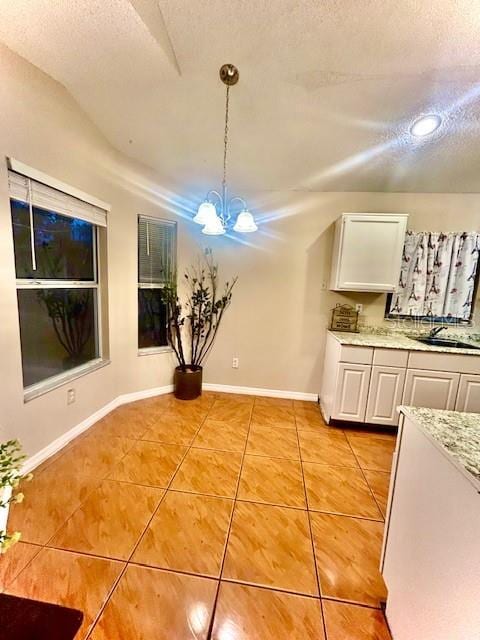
(437, 361)
(390, 357)
(356, 355)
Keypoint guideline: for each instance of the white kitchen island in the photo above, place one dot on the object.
(431, 555)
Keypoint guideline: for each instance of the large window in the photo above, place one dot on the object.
(55, 241)
(156, 267)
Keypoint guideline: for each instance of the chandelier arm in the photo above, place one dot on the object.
(221, 200)
(237, 198)
(215, 193)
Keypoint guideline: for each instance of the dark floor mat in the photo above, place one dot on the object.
(22, 619)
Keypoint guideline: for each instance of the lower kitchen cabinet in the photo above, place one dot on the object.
(433, 389)
(468, 398)
(368, 384)
(385, 395)
(352, 392)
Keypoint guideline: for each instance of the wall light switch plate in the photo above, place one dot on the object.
(70, 396)
(235, 363)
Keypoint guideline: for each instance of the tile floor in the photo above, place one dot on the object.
(228, 517)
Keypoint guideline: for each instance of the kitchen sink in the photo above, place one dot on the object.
(445, 342)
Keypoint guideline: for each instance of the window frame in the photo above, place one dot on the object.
(48, 384)
(146, 351)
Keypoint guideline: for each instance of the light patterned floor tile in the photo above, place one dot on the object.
(16, 559)
(150, 604)
(273, 416)
(271, 546)
(212, 473)
(372, 451)
(127, 421)
(221, 435)
(231, 411)
(273, 481)
(273, 402)
(271, 442)
(339, 490)
(328, 448)
(236, 397)
(348, 558)
(50, 499)
(173, 431)
(250, 613)
(110, 522)
(149, 463)
(187, 533)
(350, 622)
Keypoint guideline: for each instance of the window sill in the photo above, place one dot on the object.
(39, 389)
(151, 351)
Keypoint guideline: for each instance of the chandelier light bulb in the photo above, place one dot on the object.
(213, 227)
(245, 222)
(206, 211)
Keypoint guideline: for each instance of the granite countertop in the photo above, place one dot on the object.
(401, 341)
(456, 433)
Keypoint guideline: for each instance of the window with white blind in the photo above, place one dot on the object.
(56, 240)
(157, 257)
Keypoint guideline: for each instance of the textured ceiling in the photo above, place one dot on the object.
(327, 89)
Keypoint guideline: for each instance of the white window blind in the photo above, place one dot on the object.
(41, 195)
(156, 250)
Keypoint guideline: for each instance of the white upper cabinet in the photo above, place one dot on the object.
(367, 251)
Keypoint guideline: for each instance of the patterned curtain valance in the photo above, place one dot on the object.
(437, 277)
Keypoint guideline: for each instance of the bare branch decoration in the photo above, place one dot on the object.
(200, 315)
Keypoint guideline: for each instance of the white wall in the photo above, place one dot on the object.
(277, 320)
(43, 127)
(279, 312)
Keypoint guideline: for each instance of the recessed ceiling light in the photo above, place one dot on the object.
(425, 125)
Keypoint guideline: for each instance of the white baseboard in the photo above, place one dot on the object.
(55, 446)
(34, 461)
(257, 391)
(146, 393)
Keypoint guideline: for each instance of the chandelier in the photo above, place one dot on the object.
(215, 221)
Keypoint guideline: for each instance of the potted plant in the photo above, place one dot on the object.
(192, 326)
(11, 459)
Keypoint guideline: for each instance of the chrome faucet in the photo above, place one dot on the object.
(435, 331)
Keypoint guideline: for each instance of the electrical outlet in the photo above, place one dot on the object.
(359, 308)
(235, 363)
(70, 396)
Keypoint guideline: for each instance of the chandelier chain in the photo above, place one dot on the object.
(225, 140)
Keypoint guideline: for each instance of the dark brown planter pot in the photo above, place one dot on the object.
(187, 384)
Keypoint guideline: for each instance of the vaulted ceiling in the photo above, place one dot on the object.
(327, 90)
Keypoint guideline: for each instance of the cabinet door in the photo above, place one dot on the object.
(432, 389)
(351, 392)
(468, 398)
(368, 251)
(385, 395)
